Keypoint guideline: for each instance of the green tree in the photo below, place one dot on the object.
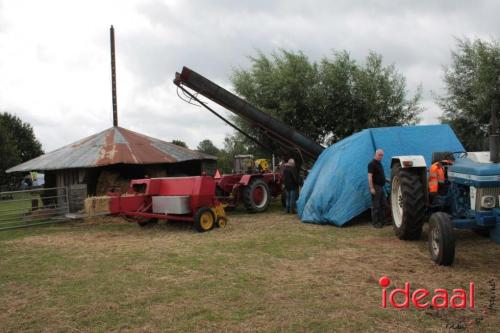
(283, 86)
(354, 97)
(179, 143)
(472, 90)
(326, 101)
(206, 146)
(224, 161)
(225, 156)
(18, 144)
(8, 153)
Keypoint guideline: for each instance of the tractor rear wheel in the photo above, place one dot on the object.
(256, 196)
(441, 239)
(204, 219)
(407, 203)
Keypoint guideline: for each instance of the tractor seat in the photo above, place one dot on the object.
(441, 156)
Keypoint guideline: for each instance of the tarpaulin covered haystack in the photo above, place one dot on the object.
(336, 189)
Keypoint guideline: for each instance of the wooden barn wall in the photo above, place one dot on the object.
(75, 181)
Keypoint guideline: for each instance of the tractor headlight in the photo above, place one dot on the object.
(488, 201)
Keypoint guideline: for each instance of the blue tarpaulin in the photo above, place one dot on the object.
(336, 189)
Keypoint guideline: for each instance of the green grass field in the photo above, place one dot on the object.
(265, 273)
(13, 212)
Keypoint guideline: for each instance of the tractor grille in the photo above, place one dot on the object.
(494, 191)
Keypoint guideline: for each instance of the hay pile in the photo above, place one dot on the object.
(111, 182)
(156, 172)
(97, 205)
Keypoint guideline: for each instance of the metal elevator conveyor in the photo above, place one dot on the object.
(288, 137)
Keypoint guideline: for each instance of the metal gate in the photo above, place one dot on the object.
(33, 207)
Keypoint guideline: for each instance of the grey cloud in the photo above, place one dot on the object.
(219, 35)
(215, 37)
(3, 24)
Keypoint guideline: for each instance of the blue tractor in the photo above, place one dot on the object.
(469, 198)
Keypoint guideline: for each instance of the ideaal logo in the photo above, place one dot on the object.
(423, 298)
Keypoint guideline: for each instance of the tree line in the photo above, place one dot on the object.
(336, 97)
(329, 100)
(18, 144)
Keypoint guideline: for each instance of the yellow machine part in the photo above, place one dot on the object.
(220, 215)
(262, 165)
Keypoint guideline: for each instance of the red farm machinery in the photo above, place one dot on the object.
(190, 199)
(253, 184)
(201, 199)
(250, 184)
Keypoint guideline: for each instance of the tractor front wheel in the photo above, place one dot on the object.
(204, 219)
(441, 239)
(407, 203)
(256, 196)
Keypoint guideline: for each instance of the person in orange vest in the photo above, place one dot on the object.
(437, 175)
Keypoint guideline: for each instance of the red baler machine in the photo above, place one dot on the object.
(190, 199)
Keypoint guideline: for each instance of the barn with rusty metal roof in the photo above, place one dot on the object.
(106, 161)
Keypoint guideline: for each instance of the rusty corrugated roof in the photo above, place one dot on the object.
(112, 146)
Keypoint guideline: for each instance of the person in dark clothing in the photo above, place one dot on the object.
(291, 180)
(376, 182)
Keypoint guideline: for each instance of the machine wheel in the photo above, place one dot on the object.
(221, 222)
(441, 239)
(407, 203)
(256, 196)
(204, 219)
(147, 223)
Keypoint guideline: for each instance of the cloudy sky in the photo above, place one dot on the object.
(55, 62)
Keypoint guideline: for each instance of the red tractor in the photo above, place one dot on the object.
(251, 183)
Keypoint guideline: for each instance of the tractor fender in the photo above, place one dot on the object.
(409, 161)
(417, 163)
(245, 179)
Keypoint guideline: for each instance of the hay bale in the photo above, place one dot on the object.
(97, 205)
(111, 182)
(121, 185)
(105, 181)
(156, 172)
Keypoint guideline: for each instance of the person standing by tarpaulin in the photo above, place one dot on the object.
(376, 182)
(291, 180)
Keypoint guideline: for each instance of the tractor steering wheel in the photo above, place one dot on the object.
(455, 155)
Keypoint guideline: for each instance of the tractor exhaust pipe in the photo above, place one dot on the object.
(494, 137)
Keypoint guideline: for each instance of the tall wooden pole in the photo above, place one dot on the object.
(113, 76)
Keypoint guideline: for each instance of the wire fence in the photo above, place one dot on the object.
(33, 207)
